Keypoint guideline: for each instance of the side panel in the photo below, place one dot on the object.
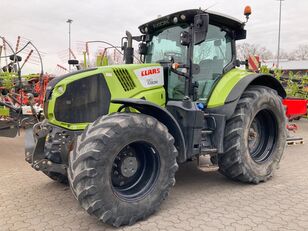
(141, 81)
(155, 94)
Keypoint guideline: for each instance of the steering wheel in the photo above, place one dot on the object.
(175, 55)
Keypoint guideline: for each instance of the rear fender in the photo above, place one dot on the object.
(256, 79)
(238, 89)
(231, 101)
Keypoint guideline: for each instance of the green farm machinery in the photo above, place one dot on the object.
(117, 133)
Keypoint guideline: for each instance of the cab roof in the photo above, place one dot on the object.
(187, 17)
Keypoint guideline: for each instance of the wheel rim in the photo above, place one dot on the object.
(262, 136)
(135, 170)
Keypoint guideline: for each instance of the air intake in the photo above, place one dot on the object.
(124, 78)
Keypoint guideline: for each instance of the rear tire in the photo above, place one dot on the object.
(122, 167)
(255, 136)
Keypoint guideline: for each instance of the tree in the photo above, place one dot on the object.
(283, 55)
(301, 53)
(246, 49)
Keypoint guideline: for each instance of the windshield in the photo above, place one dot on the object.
(166, 45)
(211, 56)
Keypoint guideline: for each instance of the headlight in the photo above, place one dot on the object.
(60, 90)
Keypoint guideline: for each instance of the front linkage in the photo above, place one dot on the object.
(47, 147)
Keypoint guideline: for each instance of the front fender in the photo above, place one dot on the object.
(163, 116)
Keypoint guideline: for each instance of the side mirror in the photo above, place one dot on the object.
(142, 48)
(201, 24)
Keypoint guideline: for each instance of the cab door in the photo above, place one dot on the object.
(212, 56)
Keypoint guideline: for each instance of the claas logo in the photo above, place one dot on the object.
(150, 72)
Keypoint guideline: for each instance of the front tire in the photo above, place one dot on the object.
(58, 177)
(255, 136)
(122, 167)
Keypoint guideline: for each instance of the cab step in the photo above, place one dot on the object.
(295, 141)
(208, 150)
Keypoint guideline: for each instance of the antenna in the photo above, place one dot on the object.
(211, 6)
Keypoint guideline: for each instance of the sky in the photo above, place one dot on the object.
(44, 22)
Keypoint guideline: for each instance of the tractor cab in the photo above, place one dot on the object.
(201, 45)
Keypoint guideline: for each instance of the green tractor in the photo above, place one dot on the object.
(117, 134)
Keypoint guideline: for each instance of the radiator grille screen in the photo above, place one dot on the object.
(84, 100)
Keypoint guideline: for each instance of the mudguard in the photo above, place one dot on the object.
(222, 103)
(256, 79)
(231, 99)
(163, 116)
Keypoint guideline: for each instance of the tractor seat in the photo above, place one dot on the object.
(210, 68)
(204, 88)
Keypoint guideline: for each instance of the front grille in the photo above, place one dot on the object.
(124, 78)
(83, 101)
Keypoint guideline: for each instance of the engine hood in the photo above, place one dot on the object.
(78, 98)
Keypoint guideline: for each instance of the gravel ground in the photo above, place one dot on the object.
(201, 200)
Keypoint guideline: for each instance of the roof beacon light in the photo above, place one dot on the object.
(247, 12)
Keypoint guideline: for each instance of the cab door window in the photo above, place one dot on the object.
(212, 56)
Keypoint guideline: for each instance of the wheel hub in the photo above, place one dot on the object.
(134, 170)
(129, 166)
(253, 136)
(261, 136)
